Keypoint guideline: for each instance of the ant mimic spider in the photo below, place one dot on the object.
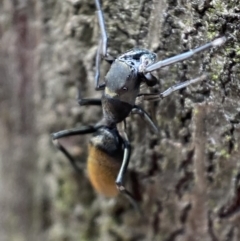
(110, 150)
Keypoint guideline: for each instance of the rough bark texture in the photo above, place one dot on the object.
(186, 179)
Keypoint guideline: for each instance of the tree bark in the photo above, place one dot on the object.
(186, 179)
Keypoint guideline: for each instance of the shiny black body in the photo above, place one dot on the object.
(122, 84)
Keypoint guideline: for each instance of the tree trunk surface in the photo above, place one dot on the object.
(186, 179)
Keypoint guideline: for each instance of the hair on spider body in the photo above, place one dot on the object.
(109, 150)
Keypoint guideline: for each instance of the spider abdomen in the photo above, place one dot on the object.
(102, 171)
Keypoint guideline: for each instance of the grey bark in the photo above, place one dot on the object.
(186, 179)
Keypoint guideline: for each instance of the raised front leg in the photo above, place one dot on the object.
(102, 47)
(184, 56)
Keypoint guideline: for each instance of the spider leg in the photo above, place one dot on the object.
(102, 47)
(60, 147)
(97, 66)
(91, 101)
(169, 91)
(121, 174)
(71, 132)
(186, 55)
(75, 131)
(138, 110)
(88, 101)
(104, 38)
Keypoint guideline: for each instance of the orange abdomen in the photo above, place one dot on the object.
(102, 171)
